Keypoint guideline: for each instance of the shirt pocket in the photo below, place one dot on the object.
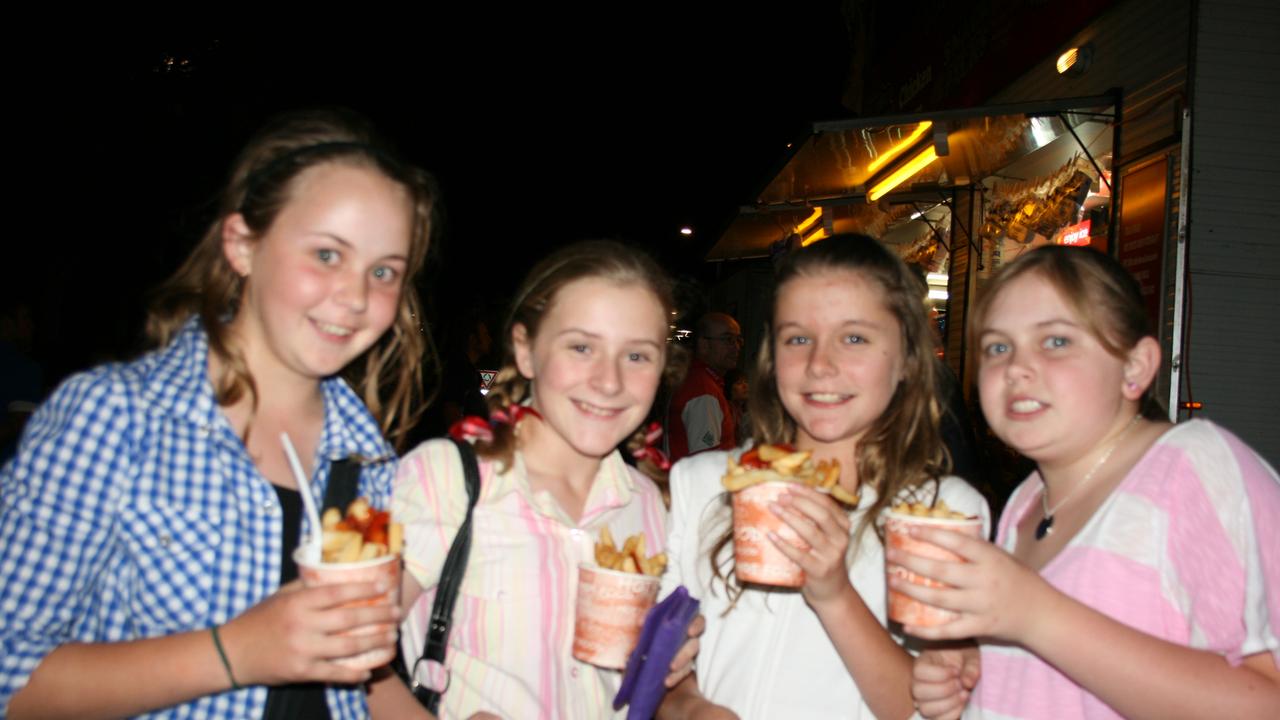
(173, 551)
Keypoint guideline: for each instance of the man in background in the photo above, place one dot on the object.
(699, 417)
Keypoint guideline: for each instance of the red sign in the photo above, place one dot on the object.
(1144, 209)
(1077, 234)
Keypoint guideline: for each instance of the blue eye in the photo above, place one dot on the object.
(854, 339)
(1055, 342)
(796, 340)
(385, 274)
(328, 256)
(995, 348)
(638, 357)
(580, 348)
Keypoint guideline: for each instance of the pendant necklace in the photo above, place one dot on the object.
(1045, 527)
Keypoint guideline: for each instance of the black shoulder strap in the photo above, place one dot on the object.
(455, 567)
(340, 490)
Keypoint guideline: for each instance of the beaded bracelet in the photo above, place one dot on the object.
(222, 655)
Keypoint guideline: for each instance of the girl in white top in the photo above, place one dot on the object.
(846, 371)
(1136, 573)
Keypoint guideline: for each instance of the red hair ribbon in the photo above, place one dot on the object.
(650, 450)
(474, 427)
(512, 414)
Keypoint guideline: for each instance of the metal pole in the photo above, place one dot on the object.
(1180, 267)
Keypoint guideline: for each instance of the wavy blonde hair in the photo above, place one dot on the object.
(604, 259)
(902, 450)
(388, 376)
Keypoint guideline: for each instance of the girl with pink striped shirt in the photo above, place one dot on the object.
(1136, 573)
(586, 347)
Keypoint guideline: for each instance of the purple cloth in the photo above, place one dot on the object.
(665, 630)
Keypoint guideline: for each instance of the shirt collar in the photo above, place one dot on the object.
(612, 488)
(178, 384)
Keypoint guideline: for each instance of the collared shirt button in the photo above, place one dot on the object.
(576, 533)
(206, 429)
(165, 540)
(574, 673)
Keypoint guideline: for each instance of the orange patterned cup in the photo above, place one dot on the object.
(907, 610)
(756, 558)
(610, 613)
(387, 566)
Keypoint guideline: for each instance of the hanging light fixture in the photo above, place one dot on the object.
(1075, 61)
(907, 170)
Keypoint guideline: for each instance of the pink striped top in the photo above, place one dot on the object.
(1187, 548)
(510, 645)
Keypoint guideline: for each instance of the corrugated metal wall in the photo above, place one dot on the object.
(1139, 46)
(1233, 356)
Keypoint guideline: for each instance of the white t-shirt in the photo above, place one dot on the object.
(770, 657)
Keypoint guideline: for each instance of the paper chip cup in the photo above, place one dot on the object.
(910, 611)
(756, 558)
(387, 566)
(610, 613)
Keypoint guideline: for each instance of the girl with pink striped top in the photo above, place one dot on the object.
(586, 349)
(1136, 573)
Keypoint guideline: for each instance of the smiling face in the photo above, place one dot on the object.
(1049, 388)
(595, 363)
(838, 355)
(323, 283)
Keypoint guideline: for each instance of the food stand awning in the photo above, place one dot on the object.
(869, 173)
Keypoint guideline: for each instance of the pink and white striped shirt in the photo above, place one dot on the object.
(1186, 548)
(510, 644)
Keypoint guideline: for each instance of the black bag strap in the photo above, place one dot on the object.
(455, 568)
(340, 490)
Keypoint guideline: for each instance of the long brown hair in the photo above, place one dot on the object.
(604, 259)
(389, 375)
(1096, 287)
(902, 449)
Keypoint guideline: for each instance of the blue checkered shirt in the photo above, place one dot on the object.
(132, 510)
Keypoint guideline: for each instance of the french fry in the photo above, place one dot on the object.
(395, 538)
(791, 462)
(631, 558)
(844, 496)
(334, 540)
(359, 509)
(330, 519)
(771, 453)
(747, 478)
(364, 533)
(786, 464)
(939, 510)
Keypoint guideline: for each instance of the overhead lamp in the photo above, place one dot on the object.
(686, 231)
(815, 236)
(899, 147)
(906, 171)
(808, 222)
(937, 294)
(1075, 61)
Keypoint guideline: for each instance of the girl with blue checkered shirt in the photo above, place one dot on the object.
(147, 521)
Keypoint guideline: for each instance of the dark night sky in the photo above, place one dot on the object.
(541, 129)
